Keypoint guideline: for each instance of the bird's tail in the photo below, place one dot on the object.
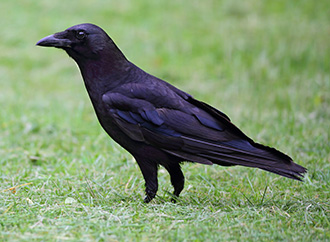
(241, 152)
(259, 156)
(286, 168)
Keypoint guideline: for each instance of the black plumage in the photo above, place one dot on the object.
(156, 122)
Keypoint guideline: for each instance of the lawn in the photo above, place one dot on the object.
(265, 64)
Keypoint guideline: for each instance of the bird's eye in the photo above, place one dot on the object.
(80, 35)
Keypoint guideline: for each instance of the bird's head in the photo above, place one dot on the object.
(83, 41)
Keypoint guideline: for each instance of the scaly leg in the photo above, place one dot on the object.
(149, 172)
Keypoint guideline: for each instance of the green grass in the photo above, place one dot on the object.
(265, 64)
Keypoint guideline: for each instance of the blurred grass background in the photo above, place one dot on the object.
(266, 64)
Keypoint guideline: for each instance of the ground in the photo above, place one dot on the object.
(264, 64)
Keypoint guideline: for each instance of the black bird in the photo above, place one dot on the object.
(155, 121)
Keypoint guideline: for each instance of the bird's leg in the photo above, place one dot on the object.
(177, 179)
(149, 172)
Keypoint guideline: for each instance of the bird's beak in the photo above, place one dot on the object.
(54, 41)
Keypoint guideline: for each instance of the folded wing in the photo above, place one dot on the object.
(195, 132)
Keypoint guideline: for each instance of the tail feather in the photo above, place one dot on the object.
(242, 153)
(290, 170)
(277, 165)
(295, 171)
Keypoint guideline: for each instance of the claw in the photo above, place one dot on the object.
(147, 199)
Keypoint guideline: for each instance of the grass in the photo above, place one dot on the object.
(265, 64)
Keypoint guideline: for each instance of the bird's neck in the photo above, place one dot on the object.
(101, 76)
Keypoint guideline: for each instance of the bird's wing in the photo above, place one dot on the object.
(191, 133)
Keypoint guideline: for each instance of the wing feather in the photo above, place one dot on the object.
(194, 131)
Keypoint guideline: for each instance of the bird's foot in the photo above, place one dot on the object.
(149, 196)
(174, 198)
(147, 199)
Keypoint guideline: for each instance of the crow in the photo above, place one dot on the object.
(156, 122)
